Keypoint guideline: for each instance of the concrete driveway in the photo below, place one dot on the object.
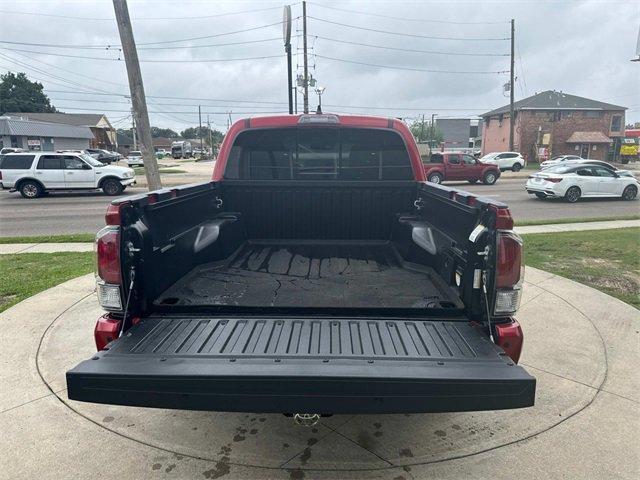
(580, 344)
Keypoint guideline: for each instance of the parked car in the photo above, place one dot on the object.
(559, 159)
(103, 155)
(621, 173)
(505, 160)
(460, 166)
(134, 159)
(356, 286)
(161, 153)
(576, 181)
(33, 174)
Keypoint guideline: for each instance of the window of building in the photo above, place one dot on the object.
(616, 123)
(593, 114)
(567, 114)
(15, 143)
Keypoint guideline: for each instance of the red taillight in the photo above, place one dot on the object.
(108, 253)
(509, 264)
(553, 179)
(107, 329)
(510, 338)
(503, 218)
(112, 216)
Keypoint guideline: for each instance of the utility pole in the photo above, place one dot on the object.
(286, 34)
(304, 48)
(512, 88)
(422, 129)
(433, 129)
(200, 128)
(135, 140)
(210, 139)
(138, 99)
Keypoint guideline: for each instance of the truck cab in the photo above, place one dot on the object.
(317, 272)
(446, 166)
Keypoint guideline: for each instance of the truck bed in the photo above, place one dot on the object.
(310, 274)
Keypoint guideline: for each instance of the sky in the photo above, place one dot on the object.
(393, 58)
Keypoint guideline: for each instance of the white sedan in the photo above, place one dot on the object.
(559, 159)
(505, 160)
(572, 182)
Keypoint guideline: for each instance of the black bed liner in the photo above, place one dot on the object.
(313, 274)
(324, 365)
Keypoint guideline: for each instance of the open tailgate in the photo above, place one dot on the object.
(303, 365)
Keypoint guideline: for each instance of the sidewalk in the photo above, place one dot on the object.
(576, 227)
(12, 248)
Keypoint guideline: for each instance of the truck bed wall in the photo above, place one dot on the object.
(175, 238)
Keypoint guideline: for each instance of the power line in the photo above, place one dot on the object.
(413, 69)
(419, 20)
(433, 52)
(71, 71)
(414, 35)
(117, 47)
(283, 111)
(163, 104)
(207, 60)
(171, 97)
(138, 19)
(43, 72)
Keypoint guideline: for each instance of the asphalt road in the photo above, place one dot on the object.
(60, 213)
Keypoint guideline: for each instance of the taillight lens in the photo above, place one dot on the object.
(553, 179)
(510, 338)
(107, 330)
(509, 274)
(509, 259)
(108, 255)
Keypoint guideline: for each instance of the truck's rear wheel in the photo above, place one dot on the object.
(30, 189)
(112, 187)
(435, 178)
(489, 178)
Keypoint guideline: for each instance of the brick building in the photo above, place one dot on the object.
(555, 123)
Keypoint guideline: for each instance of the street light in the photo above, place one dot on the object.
(320, 91)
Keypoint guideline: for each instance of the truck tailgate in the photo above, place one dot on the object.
(334, 365)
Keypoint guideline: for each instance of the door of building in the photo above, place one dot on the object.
(584, 150)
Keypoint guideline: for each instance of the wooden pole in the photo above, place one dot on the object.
(138, 99)
(512, 88)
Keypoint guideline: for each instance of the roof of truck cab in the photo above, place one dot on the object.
(363, 121)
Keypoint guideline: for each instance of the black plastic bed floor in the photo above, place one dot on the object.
(281, 274)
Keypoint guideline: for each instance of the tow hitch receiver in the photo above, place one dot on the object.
(306, 419)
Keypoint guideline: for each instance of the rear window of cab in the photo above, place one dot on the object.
(350, 154)
(16, 162)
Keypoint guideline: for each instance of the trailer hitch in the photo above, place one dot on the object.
(306, 419)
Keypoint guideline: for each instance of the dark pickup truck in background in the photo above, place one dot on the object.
(447, 166)
(317, 272)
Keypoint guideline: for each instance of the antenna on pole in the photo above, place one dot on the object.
(286, 36)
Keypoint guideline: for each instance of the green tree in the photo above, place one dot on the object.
(194, 133)
(426, 132)
(19, 94)
(157, 132)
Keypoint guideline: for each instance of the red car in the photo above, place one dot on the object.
(459, 166)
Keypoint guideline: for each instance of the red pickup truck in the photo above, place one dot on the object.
(316, 273)
(459, 166)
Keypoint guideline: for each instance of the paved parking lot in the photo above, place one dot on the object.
(582, 350)
(83, 212)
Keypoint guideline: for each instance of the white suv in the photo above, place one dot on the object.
(505, 160)
(32, 173)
